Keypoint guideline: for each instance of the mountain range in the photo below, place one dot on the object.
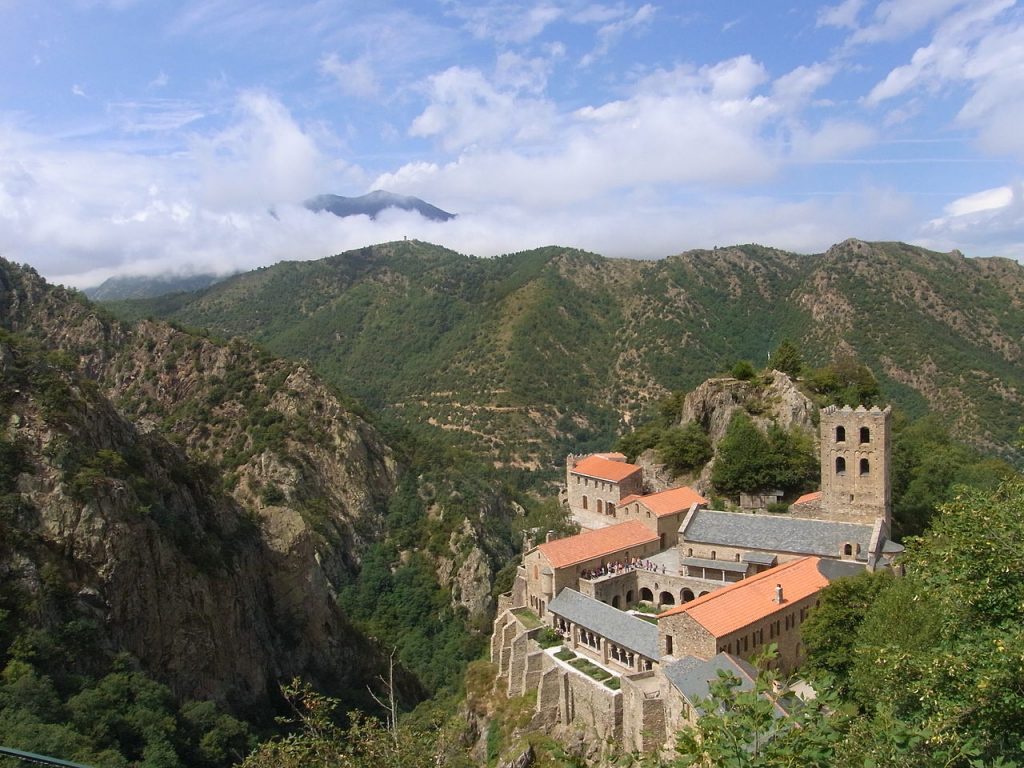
(528, 355)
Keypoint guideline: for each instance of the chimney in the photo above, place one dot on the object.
(778, 594)
(549, 537)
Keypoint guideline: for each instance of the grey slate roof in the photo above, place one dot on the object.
(838, 569)
(621, 628)
(721, 565)
(759, 558)
(775, 533)
(692, 677)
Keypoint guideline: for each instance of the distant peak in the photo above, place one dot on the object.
(372, 203)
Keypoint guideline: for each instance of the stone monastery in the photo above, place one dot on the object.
(714, 588)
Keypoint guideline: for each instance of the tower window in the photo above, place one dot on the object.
(584, 502)
(840, 434)
(865, 467)
(840, 467)
(865, 435)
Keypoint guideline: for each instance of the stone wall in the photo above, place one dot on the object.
(643, 712)
(689, 637)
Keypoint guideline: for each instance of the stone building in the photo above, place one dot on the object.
(551, 567)
(661, 512)
(662, 670)
(595, 484)
(745, 617)
(728, 584)
(856, 464)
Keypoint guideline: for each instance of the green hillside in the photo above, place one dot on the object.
(530, 354)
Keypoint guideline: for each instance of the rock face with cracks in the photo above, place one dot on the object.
(198, 500)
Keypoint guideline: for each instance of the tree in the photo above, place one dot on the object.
(743, 370)
(765, 726)
(940, 651)
(750, 461)
(317, 740)
(742, 462)
(830, 632)
(786, 358)
(684, 448)
(845, 381)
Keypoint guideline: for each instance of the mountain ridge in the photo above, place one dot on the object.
(532, 354)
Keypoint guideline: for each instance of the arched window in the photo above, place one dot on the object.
(847, 549)
(667, 598)
(865, 467)
(713, 555)
(646, 595)
(686, 595)
(629, 597)
(615, 601)
(865, 435)
(609, 508)
(840, 470)
(584, 502)
(840, 434)
(600, 507)
(737, 557)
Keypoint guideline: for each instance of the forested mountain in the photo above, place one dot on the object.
(531, 354)
(184, 519)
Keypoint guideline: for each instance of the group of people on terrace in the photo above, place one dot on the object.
(621, 566)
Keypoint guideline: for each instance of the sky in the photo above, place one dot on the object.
(150, 136)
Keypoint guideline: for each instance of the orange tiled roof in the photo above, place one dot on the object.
(671, 501)
(603, 542)
(813, 496)
(748, 601)
(605, 469)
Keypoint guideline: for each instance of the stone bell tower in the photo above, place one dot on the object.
(856, 452)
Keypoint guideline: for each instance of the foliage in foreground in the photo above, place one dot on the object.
(317, 740)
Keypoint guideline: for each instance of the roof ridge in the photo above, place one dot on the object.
(771, 572)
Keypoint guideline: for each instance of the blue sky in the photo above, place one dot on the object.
(139, 136)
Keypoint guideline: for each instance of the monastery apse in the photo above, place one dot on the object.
(660, 593)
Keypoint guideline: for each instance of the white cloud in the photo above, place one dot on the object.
(989, 223)
(843, 15)
(896, 19)
(263, 158)
(799, 84)
(505, 21)
(608, 34)
(975, 48)
(467, 110)
(735, 78)
(355, 78)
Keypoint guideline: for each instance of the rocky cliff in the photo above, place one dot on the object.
(213, 556)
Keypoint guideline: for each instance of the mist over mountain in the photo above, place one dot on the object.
(148, 286)
(373, 203)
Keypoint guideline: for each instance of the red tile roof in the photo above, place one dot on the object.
(605, 469)
(746, 602)
(669, 502)
(814, 496)
(603, 542)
